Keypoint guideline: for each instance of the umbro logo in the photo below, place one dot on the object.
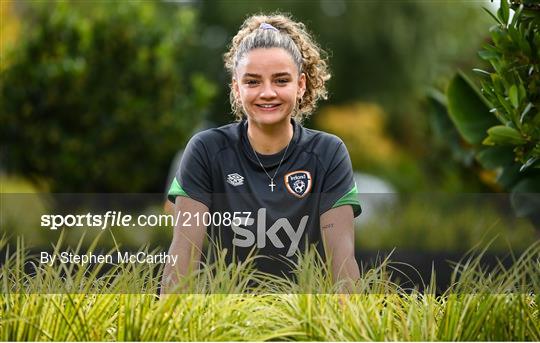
(235, 179)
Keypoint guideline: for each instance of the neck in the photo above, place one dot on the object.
(269, 140)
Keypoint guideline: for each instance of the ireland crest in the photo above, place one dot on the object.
(298, 183)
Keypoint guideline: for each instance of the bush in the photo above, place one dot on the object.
(513, 87)
(98, 97)
(501, 123)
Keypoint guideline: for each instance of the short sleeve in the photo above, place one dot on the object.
(339, 187)
(192, 178)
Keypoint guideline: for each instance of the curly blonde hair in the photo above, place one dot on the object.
(294, 38)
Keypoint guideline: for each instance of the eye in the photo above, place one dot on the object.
(251, 82)
(282, 81)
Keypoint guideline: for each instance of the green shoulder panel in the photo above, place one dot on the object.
(351, 198)
(176, 190)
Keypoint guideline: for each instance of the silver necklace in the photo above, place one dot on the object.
(271, 184)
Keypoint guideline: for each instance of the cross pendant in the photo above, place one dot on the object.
(272, 184)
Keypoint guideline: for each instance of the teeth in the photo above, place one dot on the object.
(267, 106)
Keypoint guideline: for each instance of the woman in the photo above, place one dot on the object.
(269, 183)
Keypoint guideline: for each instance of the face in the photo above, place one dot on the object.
(268, 85)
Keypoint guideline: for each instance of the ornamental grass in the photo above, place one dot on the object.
(224, 302)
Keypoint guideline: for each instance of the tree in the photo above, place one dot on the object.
(99, 96)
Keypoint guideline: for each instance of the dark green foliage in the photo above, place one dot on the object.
(449, 160)
(508, 139)
(513, 86)
(98, 96)
(470, 114)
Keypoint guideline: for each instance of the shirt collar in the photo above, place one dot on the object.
(269, 161)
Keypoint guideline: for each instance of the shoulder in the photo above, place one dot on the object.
(329, 149)
(321, 143)
(215, 139)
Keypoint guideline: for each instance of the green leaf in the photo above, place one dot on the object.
(481, 72)
(496, 156)
(514, 35)
(505, 135)
(492, 15)
(498, 84)
(517, 15)
(488, 55)
(504, 12)
(498, 35)
(468, 110)
(513, 95)
(525, 111)
(488, 141)
(522, 92)
(530, 163)
(506, 106)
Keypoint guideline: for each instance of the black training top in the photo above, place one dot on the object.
(219, 169)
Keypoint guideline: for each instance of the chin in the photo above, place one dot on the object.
(270, 119)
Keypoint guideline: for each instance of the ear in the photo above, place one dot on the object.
(301, 85)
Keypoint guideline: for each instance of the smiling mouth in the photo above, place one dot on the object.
(268, 106)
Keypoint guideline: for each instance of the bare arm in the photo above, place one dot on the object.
(337, 228)
(186, 244)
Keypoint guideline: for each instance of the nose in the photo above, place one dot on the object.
(267, 91)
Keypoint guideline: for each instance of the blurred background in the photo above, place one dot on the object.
(99, 97)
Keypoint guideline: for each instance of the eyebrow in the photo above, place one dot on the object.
(259, 76)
